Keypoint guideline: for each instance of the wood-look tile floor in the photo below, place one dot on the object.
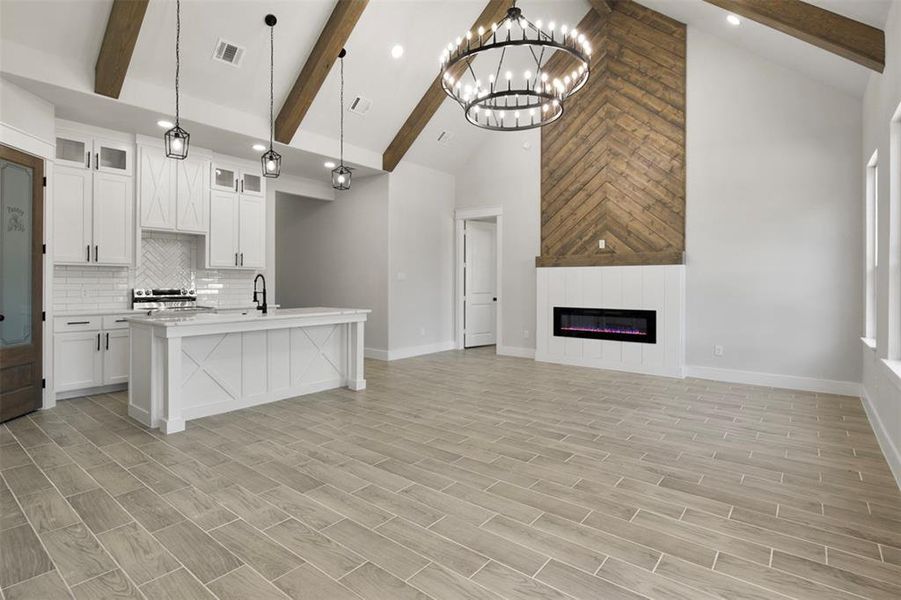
(459, 475)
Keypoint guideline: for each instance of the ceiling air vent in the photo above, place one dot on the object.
(445, 137)
(229, 53)
(360, 105)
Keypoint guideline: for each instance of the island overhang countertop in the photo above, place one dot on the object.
(177, 325)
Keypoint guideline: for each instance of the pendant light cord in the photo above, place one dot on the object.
(177, 53)
(271, 77)
(341, 108)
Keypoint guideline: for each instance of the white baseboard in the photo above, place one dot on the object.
(889, 450)
(516, 351)
(103, 389)
(788, 382)
(410, 351)
(593, 363)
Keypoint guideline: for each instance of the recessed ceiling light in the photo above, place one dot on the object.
(259, 147)
(397, 51)
(329, 165)
(165, 124)
(733, 20)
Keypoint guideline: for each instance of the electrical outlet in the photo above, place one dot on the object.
(717, 350)
(602, 244)
(525, 334)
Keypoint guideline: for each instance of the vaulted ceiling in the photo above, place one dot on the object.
(51, 47)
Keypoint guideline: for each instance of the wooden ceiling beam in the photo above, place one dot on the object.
(431, 101)
(603, 7)
(840, 35)
(331, 40)
(122, 29)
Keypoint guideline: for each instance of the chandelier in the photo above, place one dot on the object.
(500, 100)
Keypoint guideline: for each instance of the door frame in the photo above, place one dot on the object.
(38, 270)
(461, 215)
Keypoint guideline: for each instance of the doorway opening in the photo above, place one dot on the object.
(479, 302)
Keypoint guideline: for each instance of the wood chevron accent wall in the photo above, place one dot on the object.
(613, 167)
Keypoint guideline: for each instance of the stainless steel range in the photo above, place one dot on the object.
(152, 300)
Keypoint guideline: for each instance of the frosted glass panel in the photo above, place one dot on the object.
(71, 150)
(225, 178)
(252, 183)
(15, 254)
(113, 158)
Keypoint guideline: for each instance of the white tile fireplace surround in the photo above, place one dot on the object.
(658, 288)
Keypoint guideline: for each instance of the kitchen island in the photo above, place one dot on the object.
(187, 367)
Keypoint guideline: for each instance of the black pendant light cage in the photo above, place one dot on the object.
(514, 104)
(177, 140)
(341, 175)
(271, 161)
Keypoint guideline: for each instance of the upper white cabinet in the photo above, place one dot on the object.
(229, 176)
(192, 195)
(251, 231)
(237, 231)
(84, 151)
(156, 189)
(173, 195)
(93, 200)
(251, 183)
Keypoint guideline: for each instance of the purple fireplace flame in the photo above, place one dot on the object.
(625, 325)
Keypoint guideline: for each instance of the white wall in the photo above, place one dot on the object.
(26, 121)
(773, 240)
(335, 253)
(882, 382)
(420, 260)
(504, 173)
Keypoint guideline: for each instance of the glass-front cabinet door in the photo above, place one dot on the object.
(224, 177)
(113, 157)
(252, 183)
(74, 150)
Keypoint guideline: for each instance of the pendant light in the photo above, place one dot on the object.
(177, 139)
(271, 160)
(341, 175)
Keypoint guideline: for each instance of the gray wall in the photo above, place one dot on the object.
(335, 253)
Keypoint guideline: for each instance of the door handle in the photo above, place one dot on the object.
(98, 342)
(107, 341)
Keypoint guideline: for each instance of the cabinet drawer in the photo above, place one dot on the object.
(115, 322)
(65, 324)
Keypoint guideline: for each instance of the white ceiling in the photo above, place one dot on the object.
(50, 47)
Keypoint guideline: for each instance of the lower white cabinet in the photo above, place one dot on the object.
(89, 352)
(77, 361)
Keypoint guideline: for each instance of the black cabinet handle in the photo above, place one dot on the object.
(242, 185)
(121, 320)
(96, 253)
(87, 159)
(242, 259)
(97, 160)
(107, 341)
(78, 322)
(236, 259)
(89, 253)
(98, 342)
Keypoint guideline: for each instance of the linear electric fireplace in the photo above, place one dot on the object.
(606, 324)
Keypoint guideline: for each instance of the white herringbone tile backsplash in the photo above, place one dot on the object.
(168, 260)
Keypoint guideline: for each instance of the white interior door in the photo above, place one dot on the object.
(480, 284)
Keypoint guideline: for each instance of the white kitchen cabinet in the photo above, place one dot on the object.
(156, 189)
(81, 150)
(72, 214)
(115, 356)
(192, 195)
(251, 182)
(77, 360)
(251, 231)
(224, 176)
(223, 238)
(113, 201)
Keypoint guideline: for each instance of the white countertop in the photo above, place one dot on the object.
(103, 312)
(251, 316)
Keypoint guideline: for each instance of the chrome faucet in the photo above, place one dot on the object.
(256, 296)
